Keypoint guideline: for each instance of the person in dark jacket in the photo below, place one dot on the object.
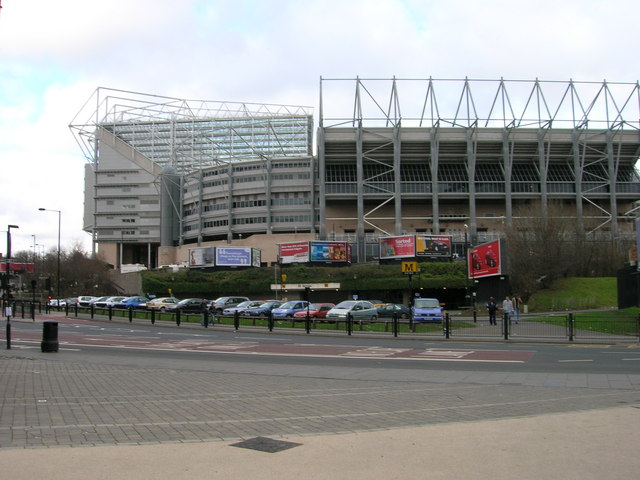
(492, 308)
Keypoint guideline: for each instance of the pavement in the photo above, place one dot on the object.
(65, 416)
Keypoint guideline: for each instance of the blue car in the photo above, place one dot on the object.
(132, 303)
(287, 309)
(263, 310)
(427, 310)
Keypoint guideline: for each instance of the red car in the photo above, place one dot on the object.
(490, 258)
(316, 310)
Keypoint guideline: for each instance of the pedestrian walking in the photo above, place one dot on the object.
(507, 308)
(517, 304)
(204, 309)
(492, 308)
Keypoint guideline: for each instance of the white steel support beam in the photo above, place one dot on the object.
(397, 184)
(435, 206)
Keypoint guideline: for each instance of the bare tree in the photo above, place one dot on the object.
(544, 247)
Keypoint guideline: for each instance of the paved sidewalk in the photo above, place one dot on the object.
(67, 416)
(583, 446)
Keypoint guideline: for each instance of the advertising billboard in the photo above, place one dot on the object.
(397, 247)
(293, 252)
(17, 267)
(201, 257)
(485, 260)
(433, 246)
(234, 257)
(330, 252)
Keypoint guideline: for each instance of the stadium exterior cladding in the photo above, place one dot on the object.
(247, 176)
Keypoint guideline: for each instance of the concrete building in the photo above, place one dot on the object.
(457, 157)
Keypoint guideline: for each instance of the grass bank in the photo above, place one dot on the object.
(576, 293)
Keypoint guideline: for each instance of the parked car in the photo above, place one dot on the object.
(219, 304)
(188, 305)
(388, 310)
(241, 307)
(85, 300)
(264, 309)
(359, 310)
(316, 310)
(132, 303)
(109, 302)
(427, 310)
(161, 303)
(95, 300)
(287, 309)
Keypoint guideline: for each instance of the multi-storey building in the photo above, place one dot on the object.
(459, 157)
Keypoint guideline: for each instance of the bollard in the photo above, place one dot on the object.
(570, 325)
(153, 317)
(236, 320)
(447, 325)
(349, 323)
(270, 316)
(178, 317)
(49, 337)
(130, 315)
(92, 310)
(395, 324)
(307, 325)
(110, 308)
(505, 321)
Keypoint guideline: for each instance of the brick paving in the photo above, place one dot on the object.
(58, 402)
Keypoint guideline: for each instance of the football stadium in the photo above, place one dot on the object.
(375, 159)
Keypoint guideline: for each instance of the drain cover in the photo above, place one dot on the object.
(264, 444)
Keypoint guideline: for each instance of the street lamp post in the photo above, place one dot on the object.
(59, 223)
(7, 303)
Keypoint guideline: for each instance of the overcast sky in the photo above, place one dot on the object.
(54, 54)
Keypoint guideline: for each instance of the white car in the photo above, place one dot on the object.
(241, 307)
(359, 310)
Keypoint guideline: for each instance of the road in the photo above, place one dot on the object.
(117, 383)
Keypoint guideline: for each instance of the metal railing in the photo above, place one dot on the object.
(569, 326)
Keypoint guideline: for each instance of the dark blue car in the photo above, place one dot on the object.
(263, 310)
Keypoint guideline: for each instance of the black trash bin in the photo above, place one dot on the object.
(49, 337)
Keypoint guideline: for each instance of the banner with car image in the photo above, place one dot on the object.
(485, 260)
(433, 246)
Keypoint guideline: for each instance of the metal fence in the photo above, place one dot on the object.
(569, 326)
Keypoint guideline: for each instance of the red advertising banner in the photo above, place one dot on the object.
(433, 246)
(398, 247)
(484, 260)
(17, 267)
(293, 252)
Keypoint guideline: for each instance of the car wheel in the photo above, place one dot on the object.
(404, 316)
(374, 318)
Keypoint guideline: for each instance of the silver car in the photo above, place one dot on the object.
(359, 310)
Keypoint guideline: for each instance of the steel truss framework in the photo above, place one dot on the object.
(430, 137)
(192, 134)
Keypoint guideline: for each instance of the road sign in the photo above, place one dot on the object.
(409, 268)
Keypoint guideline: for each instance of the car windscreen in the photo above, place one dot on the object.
(426, 303)
(345, 305)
